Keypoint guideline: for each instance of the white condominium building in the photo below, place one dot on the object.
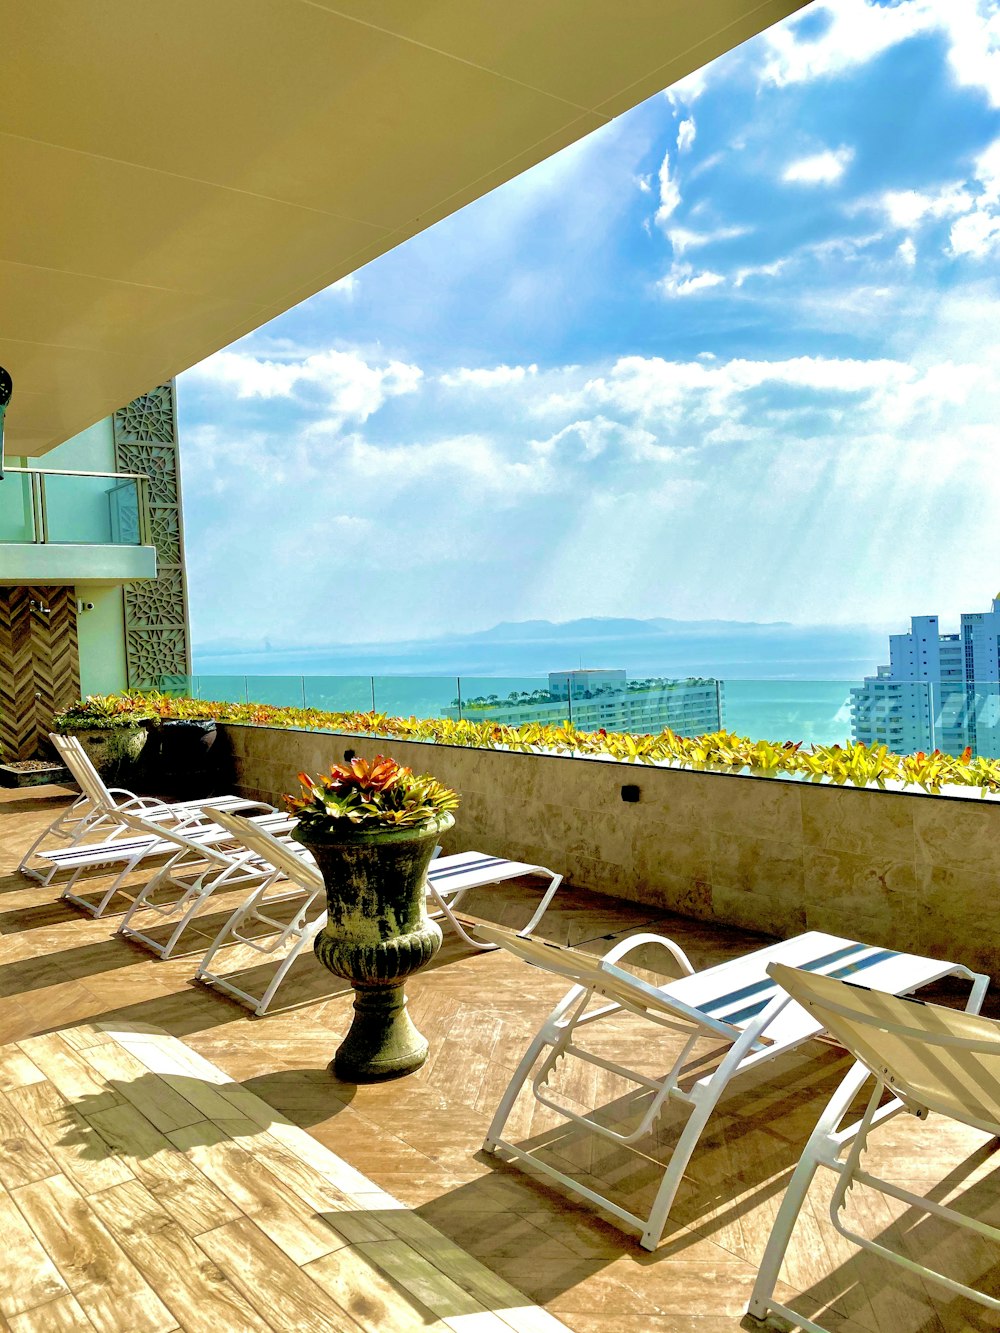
(939, 691)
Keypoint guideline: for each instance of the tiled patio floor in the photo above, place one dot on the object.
(419, 1138)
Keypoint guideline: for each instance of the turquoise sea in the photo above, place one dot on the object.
(781, 682)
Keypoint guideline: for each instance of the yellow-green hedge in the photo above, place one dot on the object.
(720, 750)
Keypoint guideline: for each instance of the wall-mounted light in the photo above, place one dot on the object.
(6, 389)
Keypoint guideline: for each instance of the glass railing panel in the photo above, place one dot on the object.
(415, 696)
(17, 519)
(222, 689)
(689, 706)
(179, 686)
(967, 717)
(89, 510)
(514, 700)
(338, 694)
(279, 691)
(905, 716)
(816, 712)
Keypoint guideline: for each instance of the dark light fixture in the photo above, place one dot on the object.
(6, 389)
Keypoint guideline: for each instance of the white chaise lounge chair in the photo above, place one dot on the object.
(128, 848)
(199, 866)
(96, 813)
(449, 878)
(928, 1058)
(253, 925)
(736, 1004)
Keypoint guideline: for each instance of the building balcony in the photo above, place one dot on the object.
(74, 527)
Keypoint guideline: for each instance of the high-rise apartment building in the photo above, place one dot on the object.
(939, 691)
(592, 699)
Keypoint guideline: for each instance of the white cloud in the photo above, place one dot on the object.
(857, 31)
(820, 168)
(689, 89)
(685, 135)
(682, 238)
(345, 384)
(670, 195)
(760, 271)
(497, 377)
(908, 208)
(347, 287)
(907, 252)
(977, 233)
(683, 281)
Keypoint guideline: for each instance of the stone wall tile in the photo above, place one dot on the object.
(877, 824)
(955, 831)
(756, 864)
(860, 897)
(767, 913)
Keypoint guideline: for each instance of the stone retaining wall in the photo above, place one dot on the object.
(901, 869)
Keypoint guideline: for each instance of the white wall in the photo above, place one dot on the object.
(101, 635)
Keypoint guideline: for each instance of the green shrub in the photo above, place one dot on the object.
(103, 712)
(719, 751)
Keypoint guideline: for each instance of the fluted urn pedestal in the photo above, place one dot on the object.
(377, 934)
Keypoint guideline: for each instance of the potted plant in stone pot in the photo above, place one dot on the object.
(113, 729)
(372, 829)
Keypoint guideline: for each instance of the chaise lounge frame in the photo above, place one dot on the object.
(736, 1002)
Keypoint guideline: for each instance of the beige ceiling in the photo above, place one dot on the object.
(176, 174)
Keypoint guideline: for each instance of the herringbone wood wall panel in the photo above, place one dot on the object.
(39, 664)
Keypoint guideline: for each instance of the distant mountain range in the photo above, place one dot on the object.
(657, 646)
(611, 627)
(586, 629)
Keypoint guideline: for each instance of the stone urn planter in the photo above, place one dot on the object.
(112, 750)
(377, 934)
(372, 830)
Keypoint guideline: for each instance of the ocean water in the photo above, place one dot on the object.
(779, 682)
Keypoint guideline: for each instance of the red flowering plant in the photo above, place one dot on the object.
(379, 795)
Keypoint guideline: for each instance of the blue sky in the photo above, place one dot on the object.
(736, 355)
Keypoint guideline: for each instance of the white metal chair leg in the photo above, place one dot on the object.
(105, 902)
(60, 829)
(304, 941)
(540, 910)
(548, 1035)
(706, 1096)
(816, 1149)
(197, 893)
(454, 922)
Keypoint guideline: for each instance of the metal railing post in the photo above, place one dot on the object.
(373, 693)
(142, 497)
(36, 509)
(43, 507)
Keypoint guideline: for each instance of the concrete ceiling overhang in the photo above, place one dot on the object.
(175, 175)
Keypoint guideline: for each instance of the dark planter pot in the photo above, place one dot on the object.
(180, 760)
(114, 751)
(377, 934)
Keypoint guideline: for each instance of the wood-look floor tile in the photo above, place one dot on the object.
(272, 1283)
(115, 1296)
(192, 1287)
(63, 1315)
(30, 1278)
